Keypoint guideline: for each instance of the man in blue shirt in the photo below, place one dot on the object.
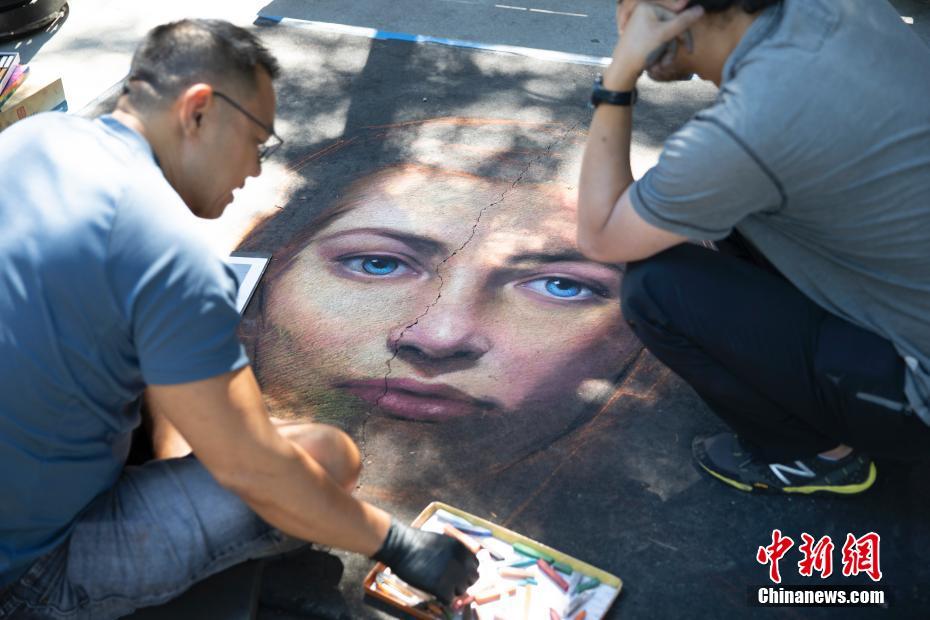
(105, 292)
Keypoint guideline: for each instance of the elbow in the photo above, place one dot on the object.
(592, 246)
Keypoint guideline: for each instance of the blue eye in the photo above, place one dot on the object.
(560, 288)
(376, 265)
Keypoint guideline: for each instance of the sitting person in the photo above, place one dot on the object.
(106, 293)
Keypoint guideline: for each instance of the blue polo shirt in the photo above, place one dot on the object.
(104, 289)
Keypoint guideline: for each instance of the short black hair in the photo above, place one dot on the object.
(718, 6)
(179, 54)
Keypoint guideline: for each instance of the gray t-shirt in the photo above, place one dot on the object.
(818, 151)
(104, 288)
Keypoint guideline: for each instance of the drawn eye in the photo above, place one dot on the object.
(376, 265)
(560, 288)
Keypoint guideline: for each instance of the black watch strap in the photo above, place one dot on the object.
(600, 95)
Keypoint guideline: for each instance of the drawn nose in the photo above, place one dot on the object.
(448, 331)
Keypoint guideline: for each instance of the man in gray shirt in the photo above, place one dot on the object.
(808, 332)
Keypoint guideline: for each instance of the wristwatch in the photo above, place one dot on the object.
(600, 95)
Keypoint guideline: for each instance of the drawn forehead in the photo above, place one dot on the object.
(414, 189)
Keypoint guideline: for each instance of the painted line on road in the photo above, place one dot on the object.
(383, 35)
(546, 11)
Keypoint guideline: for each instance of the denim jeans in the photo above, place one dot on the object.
(164, 526)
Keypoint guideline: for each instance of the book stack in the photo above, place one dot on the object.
(20, 98)
(12, 75)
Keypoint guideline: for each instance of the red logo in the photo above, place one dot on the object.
(773, 553)
(860, 555)
(817, 557)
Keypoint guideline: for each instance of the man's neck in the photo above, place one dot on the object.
(132, 121)
(157, 131)
(149, 126)
(717, 38)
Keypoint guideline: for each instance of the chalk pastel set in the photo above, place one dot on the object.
(519, 578)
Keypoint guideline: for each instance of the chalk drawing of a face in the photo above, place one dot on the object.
(447, 308)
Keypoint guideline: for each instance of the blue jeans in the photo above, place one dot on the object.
(163, 527)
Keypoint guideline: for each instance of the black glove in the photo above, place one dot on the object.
(431, 562)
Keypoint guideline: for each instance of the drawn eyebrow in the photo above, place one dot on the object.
(420, 243)
(558, 256)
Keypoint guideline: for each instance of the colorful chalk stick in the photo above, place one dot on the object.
(551, 574)
(523, 563)
(462, 524)
(473, 545)
(589, 584)
(562, 567)
(531, 553)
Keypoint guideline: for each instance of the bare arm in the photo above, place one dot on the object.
(225, 422)
(609, 230)
(167, 442)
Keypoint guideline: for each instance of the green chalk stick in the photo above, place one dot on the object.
(589, 584)
(531, 553)
(562, 567)
(523, 563)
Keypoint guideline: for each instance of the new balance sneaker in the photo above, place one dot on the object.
(724, 458)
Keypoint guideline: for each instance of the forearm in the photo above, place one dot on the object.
(292, 492)
(604, 212)
(224, 420)
(605, 167)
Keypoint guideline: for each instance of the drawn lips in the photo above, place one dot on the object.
(409, 399)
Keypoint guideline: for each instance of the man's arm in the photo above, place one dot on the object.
(167, 442)
(609, 230)
(225, 422)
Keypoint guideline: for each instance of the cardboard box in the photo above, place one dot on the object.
(516, 600)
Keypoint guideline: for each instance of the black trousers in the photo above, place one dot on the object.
(790, 378)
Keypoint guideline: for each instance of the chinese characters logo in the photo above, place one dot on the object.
(859, 555)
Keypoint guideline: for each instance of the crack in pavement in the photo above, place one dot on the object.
(363, 435)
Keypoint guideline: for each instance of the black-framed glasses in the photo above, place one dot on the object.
(274, 141)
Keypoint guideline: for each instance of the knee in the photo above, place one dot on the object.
(333, 449)
(645, 283)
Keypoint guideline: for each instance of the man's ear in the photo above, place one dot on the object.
(192, 104)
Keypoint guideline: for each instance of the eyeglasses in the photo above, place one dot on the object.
(274, 141)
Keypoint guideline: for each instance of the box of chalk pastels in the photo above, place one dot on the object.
(519, 578)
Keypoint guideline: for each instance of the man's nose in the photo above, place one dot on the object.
(449, 331)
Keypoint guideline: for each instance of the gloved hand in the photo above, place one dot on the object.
(431, 562)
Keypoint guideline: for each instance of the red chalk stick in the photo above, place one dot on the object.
(473, 545)
(554, 615)
(554, 576)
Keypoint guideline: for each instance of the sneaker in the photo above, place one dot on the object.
(724, 458)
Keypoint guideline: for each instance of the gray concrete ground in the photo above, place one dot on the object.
(91, 47)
